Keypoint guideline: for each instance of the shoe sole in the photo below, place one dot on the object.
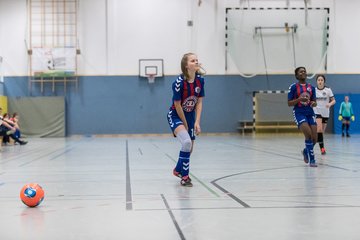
(186, 184)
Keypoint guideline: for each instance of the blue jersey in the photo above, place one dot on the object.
(296, 90)
(187, 93)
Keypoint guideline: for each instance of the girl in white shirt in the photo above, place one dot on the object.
(325, 99)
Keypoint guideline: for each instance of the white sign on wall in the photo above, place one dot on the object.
(54, 60)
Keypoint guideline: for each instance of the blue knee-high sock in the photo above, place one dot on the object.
(183, 164)
(309, 145)
(179, 164)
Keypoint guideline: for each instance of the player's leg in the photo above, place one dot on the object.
(343, 127)
(182, 135)
(2, 135)
(184, 154)
(312, 123)
(185, 170)
(309, 132)
(314, 139)
(319, 122)
(303, 126)
(21, 142)
(192, 145)
(347, 126)
(322, 145)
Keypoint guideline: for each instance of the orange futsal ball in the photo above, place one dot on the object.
(32, 194)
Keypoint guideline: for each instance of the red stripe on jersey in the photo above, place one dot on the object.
(185, 90)
(192, 89)
(298, 91)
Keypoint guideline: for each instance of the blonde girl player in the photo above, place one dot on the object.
(302, 96)
(185, 113)
(325, 100)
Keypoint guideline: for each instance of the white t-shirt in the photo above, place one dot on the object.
(322, 98)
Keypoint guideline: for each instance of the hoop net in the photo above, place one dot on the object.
(151, 78)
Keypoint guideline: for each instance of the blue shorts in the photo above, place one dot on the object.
(300, 118)
(174, 121)
(346, 118)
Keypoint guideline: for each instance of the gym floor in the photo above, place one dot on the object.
(245, 187)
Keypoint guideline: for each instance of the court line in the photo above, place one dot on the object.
(60, 154)
(20, 155)
(40, 157)
(129, 205)
(235, 174)
(242, 208)
(288, 156)
(341, 168)
(173, 217)
(245, 205)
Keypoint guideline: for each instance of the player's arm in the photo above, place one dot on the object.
(295, 101)
(177, 92)
(351, 110)
(8, 125)
(341, 108)
(9, 122)
(331, 99)
(198, 110)
(340, 112)
(313, 102)
(180, 113)
(352, 113)
(331, 102)
(292, 100)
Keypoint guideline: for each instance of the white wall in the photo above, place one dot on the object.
(13, 30)
(114, 34)
(345, 37)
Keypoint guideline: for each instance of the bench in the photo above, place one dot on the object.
(276, 126)
(246, 127)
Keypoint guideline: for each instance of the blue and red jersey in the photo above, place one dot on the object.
(296, 90)
(187, 93)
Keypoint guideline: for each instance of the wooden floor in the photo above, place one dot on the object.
(245, 187)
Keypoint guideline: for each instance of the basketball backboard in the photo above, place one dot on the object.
(151, 67)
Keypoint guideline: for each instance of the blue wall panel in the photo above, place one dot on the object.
(127, 104)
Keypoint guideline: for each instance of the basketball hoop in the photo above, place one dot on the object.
(151, 78)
